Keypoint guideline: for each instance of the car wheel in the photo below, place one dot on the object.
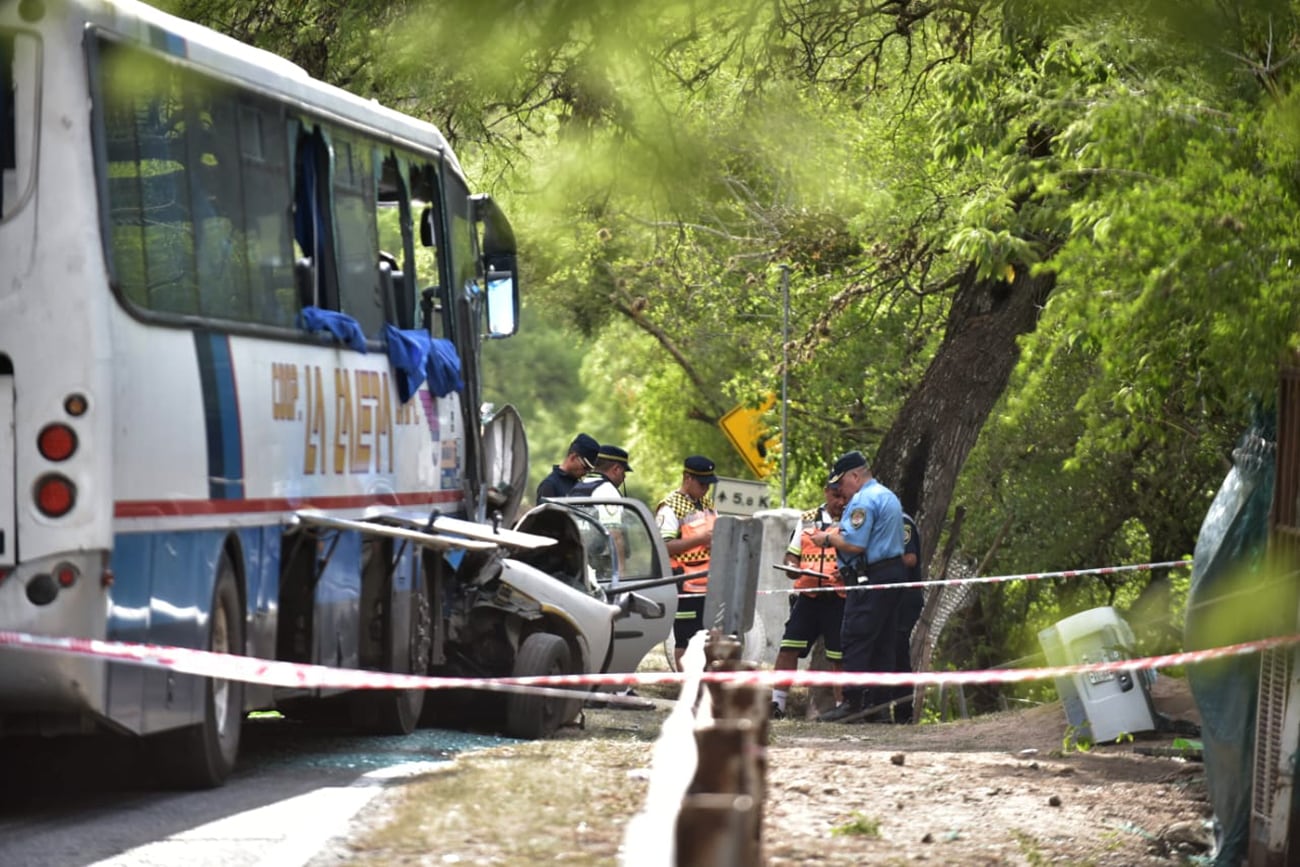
(538, 716)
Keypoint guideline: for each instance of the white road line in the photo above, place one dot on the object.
(288, 833)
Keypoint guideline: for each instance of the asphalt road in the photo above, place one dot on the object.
(86, 802)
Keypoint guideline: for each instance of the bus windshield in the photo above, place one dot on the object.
(19, 86)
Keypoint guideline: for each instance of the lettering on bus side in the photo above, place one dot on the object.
(359, 404)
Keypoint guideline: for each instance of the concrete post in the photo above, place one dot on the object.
(771, 609)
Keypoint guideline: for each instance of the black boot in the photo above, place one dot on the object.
(845, 712)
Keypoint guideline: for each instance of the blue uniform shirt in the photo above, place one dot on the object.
(873, 520)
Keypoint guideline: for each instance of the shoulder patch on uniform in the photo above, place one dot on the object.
(907, 532)
(857, 517)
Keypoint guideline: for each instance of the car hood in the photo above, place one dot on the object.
(592, 620)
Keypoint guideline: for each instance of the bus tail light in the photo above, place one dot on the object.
(56, 442)
(55, 495)
(66, 574)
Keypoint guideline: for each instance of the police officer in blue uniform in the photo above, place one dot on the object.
(564, 475)
(869, 550)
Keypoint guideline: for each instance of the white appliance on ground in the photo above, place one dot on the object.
(1101, 705)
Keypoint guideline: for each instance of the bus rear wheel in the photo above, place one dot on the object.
(397, 711)
(202, 756)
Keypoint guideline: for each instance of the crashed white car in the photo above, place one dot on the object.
(623, 561)
(597, 599)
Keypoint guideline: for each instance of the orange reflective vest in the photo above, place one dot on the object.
(815, 558)
(693, 521)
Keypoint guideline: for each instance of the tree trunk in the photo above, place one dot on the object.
(927, 445)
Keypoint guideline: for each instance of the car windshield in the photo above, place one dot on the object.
(618, 542)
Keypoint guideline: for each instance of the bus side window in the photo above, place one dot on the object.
(19, 70)
(430, 295)
(430, 258)
(151, 241)
(356, 245)
(268, 245)
(216, 197)
(464, 263)
(393, 221)
(197, 191)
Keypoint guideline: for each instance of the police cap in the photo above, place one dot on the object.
(585, 447)
(846, 463)
(701, 468)
(616, 455)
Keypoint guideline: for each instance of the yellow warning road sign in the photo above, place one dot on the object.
(757, 443)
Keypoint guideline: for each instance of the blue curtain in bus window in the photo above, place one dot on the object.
(407, 353)
(311, 215)
(415, 357)
(444, 368)
(343, 327)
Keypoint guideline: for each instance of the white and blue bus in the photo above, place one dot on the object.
(240, 316)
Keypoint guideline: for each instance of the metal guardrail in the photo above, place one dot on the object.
(708, 777)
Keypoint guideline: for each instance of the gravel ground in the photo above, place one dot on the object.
(996, 790)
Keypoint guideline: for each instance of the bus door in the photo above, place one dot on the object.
(19, 86)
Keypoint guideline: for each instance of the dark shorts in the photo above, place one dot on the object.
(690, 618)
(814, 617)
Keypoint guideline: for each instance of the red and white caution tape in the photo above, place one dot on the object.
(925, 678)
(275, 673)
(986, 579)
(267, 672)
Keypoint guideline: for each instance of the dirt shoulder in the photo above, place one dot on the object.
(994, 790)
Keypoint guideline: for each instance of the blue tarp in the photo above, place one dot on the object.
(1229, 561)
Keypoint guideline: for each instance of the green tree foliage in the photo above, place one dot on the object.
(1174, 302)
(1074, 222)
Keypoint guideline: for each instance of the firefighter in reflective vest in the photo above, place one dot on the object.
(816, 612)
(686, 518)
